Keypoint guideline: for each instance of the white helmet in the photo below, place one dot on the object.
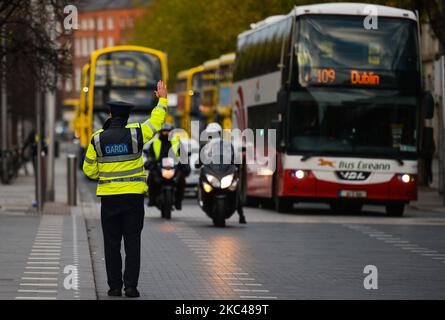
(213, 128)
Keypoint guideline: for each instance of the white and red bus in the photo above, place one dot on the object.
(345, 101)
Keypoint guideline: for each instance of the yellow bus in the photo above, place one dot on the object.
(209, 90)
(125, 73)
(72, 115)
(188, 90)
(224, 78)
(83, 127)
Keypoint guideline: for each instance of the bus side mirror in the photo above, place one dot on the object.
(428, 105)
(282, 100)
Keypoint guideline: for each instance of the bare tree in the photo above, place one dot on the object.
(29, 46)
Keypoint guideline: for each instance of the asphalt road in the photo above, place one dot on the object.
(310, 253)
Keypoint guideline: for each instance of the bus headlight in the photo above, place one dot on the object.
(226, 181)
(405, 178)
(214, 181)
(298, 174)
(207, 187)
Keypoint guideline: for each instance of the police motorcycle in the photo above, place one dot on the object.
(218, 192)
(165, 177)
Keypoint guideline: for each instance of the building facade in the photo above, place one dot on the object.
(102, 24)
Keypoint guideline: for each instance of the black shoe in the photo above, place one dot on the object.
(115, 293)
(151, 203)
(178, 205)
(132, 292)
(242, 220)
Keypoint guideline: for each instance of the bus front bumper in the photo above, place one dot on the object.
(311, 188)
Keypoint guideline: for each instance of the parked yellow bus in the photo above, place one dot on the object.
(224, 79)
(126, 73)
(83, 127)
(188, 90)
(209, 90)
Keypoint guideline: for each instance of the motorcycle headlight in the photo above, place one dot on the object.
(207, 187)
(214, 181)
(168, 173)
(226, 181)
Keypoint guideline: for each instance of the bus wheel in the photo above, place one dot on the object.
(282, 204)
(395, 209)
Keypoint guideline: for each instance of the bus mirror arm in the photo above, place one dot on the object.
(428, 105)
(277, 125)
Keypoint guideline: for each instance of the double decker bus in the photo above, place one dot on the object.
(125, 73)
(346, 103)
(83, 112)
(209, 92)
(224, 78)
(188, 86)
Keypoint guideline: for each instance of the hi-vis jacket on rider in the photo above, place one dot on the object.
(118, 165)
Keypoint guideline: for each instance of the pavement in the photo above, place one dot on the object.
(43, 256)
(310, 253)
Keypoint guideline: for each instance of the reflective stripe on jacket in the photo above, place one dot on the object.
(157, 146)
(114, 156)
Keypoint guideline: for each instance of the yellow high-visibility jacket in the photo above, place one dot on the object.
(118, 166)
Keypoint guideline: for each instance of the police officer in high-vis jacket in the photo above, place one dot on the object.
(164, 146)
(114, 157)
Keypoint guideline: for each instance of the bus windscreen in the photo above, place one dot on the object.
(129, 76)
(340, 51)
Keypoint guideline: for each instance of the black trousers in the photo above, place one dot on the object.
(122, 217)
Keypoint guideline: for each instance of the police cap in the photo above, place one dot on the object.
(120, 108)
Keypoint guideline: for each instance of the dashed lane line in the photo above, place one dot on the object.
(396, 242)
(202, 249)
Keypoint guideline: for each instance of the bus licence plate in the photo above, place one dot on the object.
(352, 194)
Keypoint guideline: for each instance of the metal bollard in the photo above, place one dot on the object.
(72, 179)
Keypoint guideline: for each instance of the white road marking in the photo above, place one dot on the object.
(257, 297)
(40, 272)
(43, 268)
(39, 284)
(249, 290)
(37, 291)
(39, 278)
(35, 298)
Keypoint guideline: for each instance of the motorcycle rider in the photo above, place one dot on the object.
(220, 151)
(163, 147)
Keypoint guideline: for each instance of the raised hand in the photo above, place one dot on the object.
(161, 91)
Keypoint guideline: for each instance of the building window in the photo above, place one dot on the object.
(68, 85)
(92, 44)
(122, 23)
(110, 41)
(91, 24)
(84, 24)
(100, 24)
(110, 23)
(100, 43)
(78, 79)
(84, 47)
(131, 22)
(77, 51)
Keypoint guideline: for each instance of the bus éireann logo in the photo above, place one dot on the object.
(326, 163)
(365, 78)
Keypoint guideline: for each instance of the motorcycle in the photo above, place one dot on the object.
(165, 177)
(218, 192)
